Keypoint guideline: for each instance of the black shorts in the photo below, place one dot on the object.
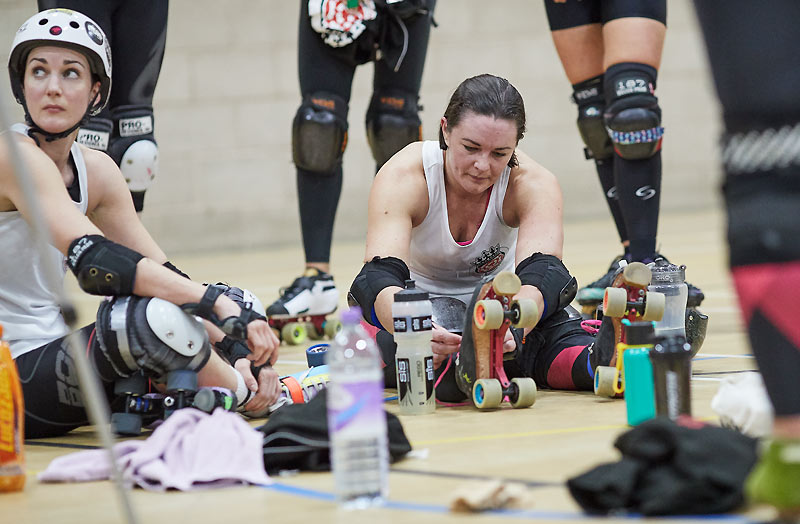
(50, 386)
(574, 13)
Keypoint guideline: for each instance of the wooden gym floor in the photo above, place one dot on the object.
(563, 434)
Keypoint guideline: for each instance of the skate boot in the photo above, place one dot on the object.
(627, 299)
(302, 308)
(479, 365)
(297, 388)
(775, 480)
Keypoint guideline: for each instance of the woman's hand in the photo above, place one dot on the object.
(443, 344)
(268, 386)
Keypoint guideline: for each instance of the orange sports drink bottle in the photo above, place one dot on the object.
(12, 412)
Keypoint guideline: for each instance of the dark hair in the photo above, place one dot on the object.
(486, 95)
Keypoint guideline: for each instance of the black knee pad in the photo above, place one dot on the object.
(96, 133)
(762, 218)
(150, 334)
(392, 123)
(319, 133)
(376, 275)
(633, 116)
(133, 147)
(552, 278)
(591, 105)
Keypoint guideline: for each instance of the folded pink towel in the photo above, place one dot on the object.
(190, 450)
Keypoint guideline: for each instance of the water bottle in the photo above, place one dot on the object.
(356, 419)
(12, 419)
(669, 279)
(672, 375)
(411, 316)
(639, 395)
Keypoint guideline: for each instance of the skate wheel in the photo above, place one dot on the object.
(332, 327)
(526, 392)
(293, 333)
(315, 355)
(488, 314)
(605, 378)
(615, 301)
(312, 332)
(654, 306)
(528, 312)
(126, 423)
(637, 274)
(182, 380)
(506, 283)
(487, 393)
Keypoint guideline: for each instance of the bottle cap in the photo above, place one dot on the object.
(411, 293)
(351, 316)
(638, 333)
(667, 273)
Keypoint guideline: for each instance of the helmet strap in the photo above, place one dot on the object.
(48, 136)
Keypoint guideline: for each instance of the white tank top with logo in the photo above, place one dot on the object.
(438, 263)
(28, 310)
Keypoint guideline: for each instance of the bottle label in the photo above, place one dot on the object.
(7, 422)
(415, 383)
(353, 406)
(412, 324)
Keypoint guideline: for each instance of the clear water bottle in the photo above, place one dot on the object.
(669, 279)
(411, 316)
(356, 419)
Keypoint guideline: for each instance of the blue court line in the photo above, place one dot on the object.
(60, 445)
(525, 514)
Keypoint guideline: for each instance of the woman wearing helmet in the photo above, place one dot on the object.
(60, 71)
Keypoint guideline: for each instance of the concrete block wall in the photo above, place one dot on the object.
(228, 92)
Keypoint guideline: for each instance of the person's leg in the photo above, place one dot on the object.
(632, 54)
(319, 137)
(53, 400)
(140, 34)
(761, 162)
(392, 119)
(558, 353)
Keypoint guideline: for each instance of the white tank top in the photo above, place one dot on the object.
(438, 263)
(28, 310)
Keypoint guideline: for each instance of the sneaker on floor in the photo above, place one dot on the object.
(314, 293)
(592, 294)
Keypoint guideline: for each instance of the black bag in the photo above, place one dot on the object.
(670, 469)
(296, 437)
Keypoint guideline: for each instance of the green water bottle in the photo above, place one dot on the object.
(640, 402)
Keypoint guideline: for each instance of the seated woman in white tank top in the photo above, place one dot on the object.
(448, 214)
(60, 72)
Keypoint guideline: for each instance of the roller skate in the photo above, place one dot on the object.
(591, 296)
(479, 364)
(135, 405)
(626, 299)
(302, 309)
(775, 480)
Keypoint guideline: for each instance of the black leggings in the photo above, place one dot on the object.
(137, 32)
(324, 68)
(759, 97)
(564, 15)
(53, 400)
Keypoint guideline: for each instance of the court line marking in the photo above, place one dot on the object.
(510, 513)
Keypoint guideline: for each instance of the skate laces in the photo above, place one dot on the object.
(299, 285)
(591, 326)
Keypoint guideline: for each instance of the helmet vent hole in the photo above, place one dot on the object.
(43, 21)
(74, 25)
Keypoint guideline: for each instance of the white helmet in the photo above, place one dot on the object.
(64, 28)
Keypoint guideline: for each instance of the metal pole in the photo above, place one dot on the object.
(94, 398)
